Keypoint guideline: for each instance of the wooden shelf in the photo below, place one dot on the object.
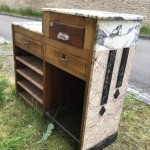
(31, 76)
(27, 97)
(32, 62)
(32, 90)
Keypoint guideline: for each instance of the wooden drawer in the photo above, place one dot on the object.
(64, 60)
(28, 44)
(67, 33)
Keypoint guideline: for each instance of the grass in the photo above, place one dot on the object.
(21, 127)
(134, 129)
(145, 30)
(20, 11)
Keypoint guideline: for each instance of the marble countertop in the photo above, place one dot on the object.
(103, 15)
(31, 26)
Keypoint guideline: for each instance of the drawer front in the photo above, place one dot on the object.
(65, 60)
(70, 34)
(29, 44)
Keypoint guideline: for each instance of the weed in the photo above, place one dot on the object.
(21, 11)
(145, 30)
(127, 114)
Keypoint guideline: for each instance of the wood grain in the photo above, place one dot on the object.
(69, 61)
(75, 33)
(28, 44)
(32, 90)
(32, 62)
(31, 76)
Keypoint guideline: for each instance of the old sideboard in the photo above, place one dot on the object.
(76, 64)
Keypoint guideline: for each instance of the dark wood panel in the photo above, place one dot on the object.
(27, 97)
(32, 62)
(70, 34)
(32, 90)
(31, 76)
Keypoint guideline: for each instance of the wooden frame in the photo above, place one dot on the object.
(23, 65)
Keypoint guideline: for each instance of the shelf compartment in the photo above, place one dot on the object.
(32, 90)
(27, 97)
(32, 62)
(31, 76)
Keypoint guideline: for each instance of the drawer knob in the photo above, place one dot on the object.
(63, 36)
(63, 57)
(26, 42)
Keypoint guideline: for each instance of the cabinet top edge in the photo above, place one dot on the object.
(102, 15)
(31, 26)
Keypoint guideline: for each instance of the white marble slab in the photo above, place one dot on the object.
(31, 26)
(102, 15)
(116, 34)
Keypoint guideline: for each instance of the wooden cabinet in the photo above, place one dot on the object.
(29, 66)
(68, 66)
(52, 68)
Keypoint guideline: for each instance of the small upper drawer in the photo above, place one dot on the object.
(70, 34)
(28, 44)
(65, 60)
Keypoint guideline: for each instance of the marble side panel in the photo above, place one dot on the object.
(116, 34)
(98, 127)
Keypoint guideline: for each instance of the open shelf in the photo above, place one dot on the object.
(32, 62)
(32, 90)
(27, 97)
(66, 101)
(31, 76)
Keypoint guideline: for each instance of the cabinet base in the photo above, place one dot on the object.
(109, 140)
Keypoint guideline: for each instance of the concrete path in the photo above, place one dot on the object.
(140, 75)
(5, 25)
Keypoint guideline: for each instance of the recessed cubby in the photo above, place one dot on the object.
(29, 76)
(67, 98)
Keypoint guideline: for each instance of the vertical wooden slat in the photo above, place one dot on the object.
(89, 37)
(45, 21)
(89, 40)
(47, 87)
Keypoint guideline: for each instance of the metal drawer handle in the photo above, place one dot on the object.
(63, 57)
(26, 42)
(63, 36)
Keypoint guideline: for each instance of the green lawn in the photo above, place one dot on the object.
(21, 127)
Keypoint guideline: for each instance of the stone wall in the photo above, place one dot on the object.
(141, 7)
